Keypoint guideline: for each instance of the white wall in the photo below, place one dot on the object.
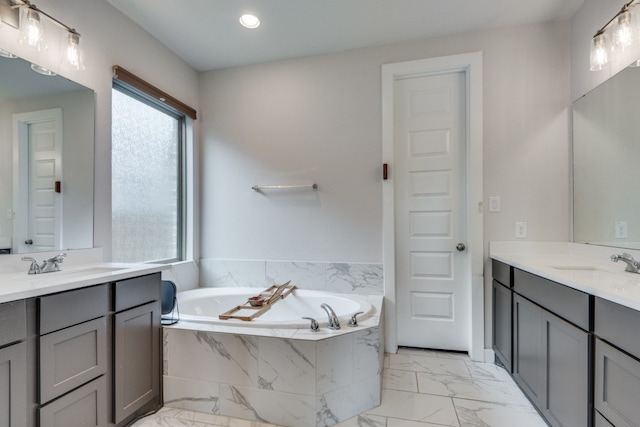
(318, 119)
(108, 38)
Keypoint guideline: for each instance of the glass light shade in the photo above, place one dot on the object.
(625, 30)
(72, 54)
(599, 51)
(32, 29)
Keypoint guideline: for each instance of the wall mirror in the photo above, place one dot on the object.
(606, 152)
(46, 160)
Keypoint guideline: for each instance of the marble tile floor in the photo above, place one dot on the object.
(421, 388)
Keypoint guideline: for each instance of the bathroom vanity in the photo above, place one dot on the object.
(80, 347)
(565, 327)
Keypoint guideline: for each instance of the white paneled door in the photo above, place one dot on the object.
(38, 141)
(433, 278)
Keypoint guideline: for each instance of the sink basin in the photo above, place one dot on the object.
(71, 273)
(574, 267)
(591, 274)
(87, 271)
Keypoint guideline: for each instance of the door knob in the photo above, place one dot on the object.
(461, 247)
(28, 242)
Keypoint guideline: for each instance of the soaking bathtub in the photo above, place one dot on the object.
(273, 369)
(205, 304)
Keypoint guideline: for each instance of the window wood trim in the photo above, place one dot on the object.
(136, 82)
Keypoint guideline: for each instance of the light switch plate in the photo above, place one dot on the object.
(494, 204)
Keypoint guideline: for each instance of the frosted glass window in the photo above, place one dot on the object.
(146, 181)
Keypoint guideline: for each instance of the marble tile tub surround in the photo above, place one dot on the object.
(354, 278)
(284, 381)
(587, 268)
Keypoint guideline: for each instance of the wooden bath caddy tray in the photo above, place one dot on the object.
(248, 312)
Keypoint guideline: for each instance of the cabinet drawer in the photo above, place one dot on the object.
(71, 357)
(65, 309)
(568, 303)
(137, 291)
(617, 386)
(13, 322)
(502, 273)
(609, 317)
(84, 407)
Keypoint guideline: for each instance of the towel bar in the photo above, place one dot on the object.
(313, 187)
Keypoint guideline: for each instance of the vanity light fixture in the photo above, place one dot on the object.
(619, 33)
(626, 31)
(32, 30)
(32, 34)
(73, 56)
(249, 21)
(599, 51)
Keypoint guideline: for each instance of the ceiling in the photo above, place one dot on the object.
(207, 35)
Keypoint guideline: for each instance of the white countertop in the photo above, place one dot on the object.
(586, 268)
(15, 286)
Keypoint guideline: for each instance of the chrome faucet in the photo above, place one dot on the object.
(632, 264)
(53, 264)
(313, 326)
(34, 268)
(48, 266)
(334, 323)
(353, 322)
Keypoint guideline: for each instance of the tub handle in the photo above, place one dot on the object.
(313, 327)
(353, 322)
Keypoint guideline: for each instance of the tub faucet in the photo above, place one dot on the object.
(313, 327)
(334, 323)
(632, 264)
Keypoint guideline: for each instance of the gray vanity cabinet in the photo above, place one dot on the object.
(503, 313)
(73, 357)
(99, 354)
(13, 365)
(529, 362)
(551, 348)
(136, 345)
(617, 363)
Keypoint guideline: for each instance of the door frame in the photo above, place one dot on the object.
(21, 166)
(471, 65)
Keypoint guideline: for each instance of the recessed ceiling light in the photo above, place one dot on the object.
(249, 21)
